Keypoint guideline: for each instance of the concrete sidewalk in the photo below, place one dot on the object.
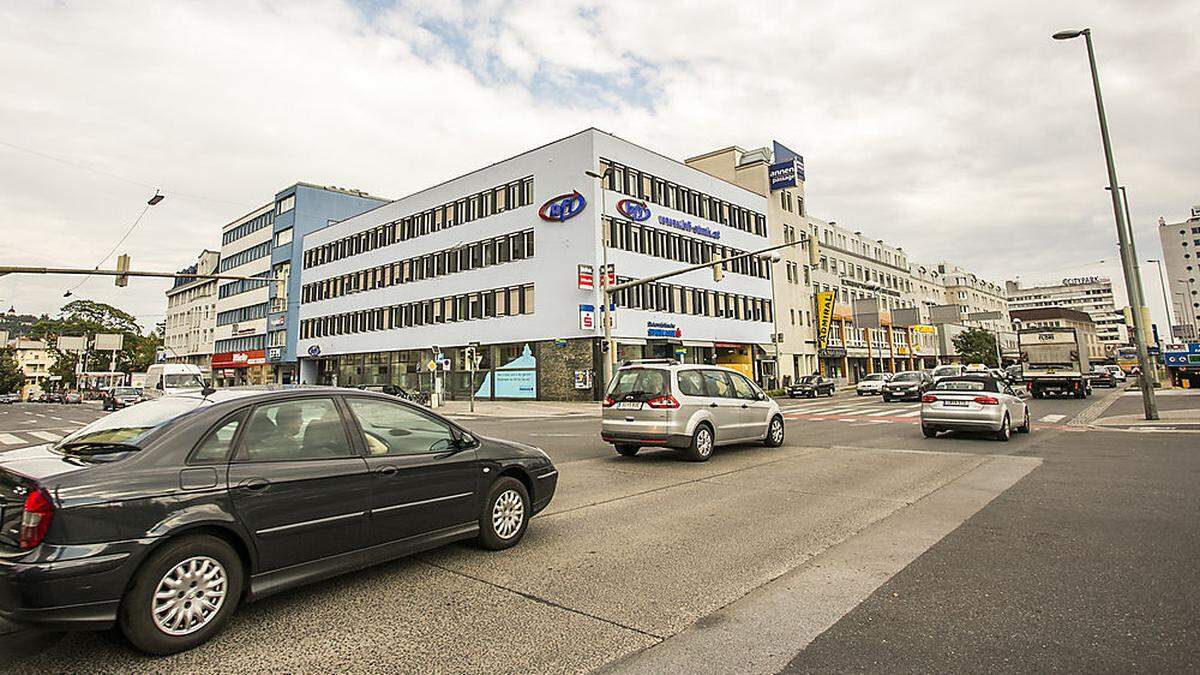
(1169, 420)
(519, 409)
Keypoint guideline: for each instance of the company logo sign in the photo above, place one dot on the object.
(314, 351)
(634, 210)
(660, 329)
(562, 207)
(1080, 281)
(689, 226)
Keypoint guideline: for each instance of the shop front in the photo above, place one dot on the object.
(235, 369)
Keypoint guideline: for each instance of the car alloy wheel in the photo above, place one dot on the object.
(775, 433)
(1005, 430)
(189, 595)
(704, 442)
(508, 513)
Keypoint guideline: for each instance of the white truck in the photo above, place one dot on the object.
(1054, 360)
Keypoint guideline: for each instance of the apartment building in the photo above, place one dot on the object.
(191, 317)
(1181, 260)
(35, 359)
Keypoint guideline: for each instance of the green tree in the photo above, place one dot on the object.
(87, 318)
(977, 345)
(11, 377)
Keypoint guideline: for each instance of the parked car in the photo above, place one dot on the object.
(949, 370)
(1118, 375)
(238, 495)
(121, 397)
(1101, 377)
(909, 384)
(9, 399)
(871, 384)
(974, 403)
(811, 386)
(72, 398)
(1015, 374)
(690, 407)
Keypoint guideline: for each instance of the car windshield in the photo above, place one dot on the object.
(873, 376)
(179, 380)
(943, 371)
(967, 384)
(639, 384)
(125, 391)
(906, 377)
(809, 379)
(121, 431)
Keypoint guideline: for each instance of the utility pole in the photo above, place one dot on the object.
(1149, 403)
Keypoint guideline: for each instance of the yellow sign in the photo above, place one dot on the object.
(824, 318)
(901, 349)
(921, 328)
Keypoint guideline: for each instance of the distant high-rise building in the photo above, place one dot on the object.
(1090, 294)
(1181, 258)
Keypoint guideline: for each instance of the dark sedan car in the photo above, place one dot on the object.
(909, 384)
(162, 517)
(811, 386)
(1101, 377)
(121, 397)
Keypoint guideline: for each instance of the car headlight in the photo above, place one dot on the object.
(541, 451)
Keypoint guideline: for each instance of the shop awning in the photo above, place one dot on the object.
(630, 341)
(697, 343)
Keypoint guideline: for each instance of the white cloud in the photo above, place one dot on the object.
(957, 130)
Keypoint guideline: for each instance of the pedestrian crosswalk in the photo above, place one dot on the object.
(872, 410)
(19, 438)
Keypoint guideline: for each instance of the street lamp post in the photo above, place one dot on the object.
(1162, 282)
(1149, 404)
(609, 355)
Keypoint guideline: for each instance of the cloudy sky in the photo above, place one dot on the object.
(958, 130)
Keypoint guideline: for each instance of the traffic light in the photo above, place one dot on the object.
(718, 271)
(814, 251)
(122, 268)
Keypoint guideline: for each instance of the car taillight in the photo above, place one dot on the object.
(928, 398)
(36, 518)
(663, 402)
(987, 400)
(609, 402)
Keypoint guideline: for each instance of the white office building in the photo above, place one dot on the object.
(1091, 294)
(1181, 259)
(192, 314)
(509, 257)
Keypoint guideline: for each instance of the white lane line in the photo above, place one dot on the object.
(57, 418)
(9, 439)
(910, 414)
(1052, 418)
(886, 412)
(558, 435)
(45, 435)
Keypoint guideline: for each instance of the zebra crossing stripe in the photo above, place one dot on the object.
(1052, 418)
(9, 439)
(45, 435)
(910, 414)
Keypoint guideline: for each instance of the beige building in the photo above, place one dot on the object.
(1091, 294)
(192, 314)
(35, 359)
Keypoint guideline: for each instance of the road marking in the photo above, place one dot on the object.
(910, 414)
(45, 435)
(558, 435)
(1052, 418)
(9, 439)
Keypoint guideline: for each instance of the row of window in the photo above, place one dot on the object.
(242, 285)
(479, 205)
(660, 243)
(239, 344)
(247, 227)
(248, 313)
(245, 255)
(497, 302)
(478, 254)
(642, 185)
(673, 299)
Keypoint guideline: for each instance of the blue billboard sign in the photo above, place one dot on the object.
(783, 175)
(562, 207)
(783, 154)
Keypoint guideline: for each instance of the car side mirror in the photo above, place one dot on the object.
(761, 396)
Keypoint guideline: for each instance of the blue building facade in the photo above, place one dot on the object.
(299, 210)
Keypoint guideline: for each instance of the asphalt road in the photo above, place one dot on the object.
(645, 561)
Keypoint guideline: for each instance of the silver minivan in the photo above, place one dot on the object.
(690, 407)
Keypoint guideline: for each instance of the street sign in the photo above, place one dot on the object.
(586, 278)
(71, 343)
(587, 317)
(108, 342)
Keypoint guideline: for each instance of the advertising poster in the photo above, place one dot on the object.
(824, 318)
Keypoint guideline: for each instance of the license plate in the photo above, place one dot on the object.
(957, 404)
(629, 405)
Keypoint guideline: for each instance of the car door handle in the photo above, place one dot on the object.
(388, 470)
(712, 405)
(744, 406)
(255, 484)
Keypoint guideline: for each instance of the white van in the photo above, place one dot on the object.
(173, 378)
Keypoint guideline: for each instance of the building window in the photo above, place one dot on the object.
(286, 204)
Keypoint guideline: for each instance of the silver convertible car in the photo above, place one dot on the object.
(974, 403)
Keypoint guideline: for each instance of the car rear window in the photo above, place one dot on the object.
(640, 384)
(129, 425)
(964, 384)
(906, 377)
